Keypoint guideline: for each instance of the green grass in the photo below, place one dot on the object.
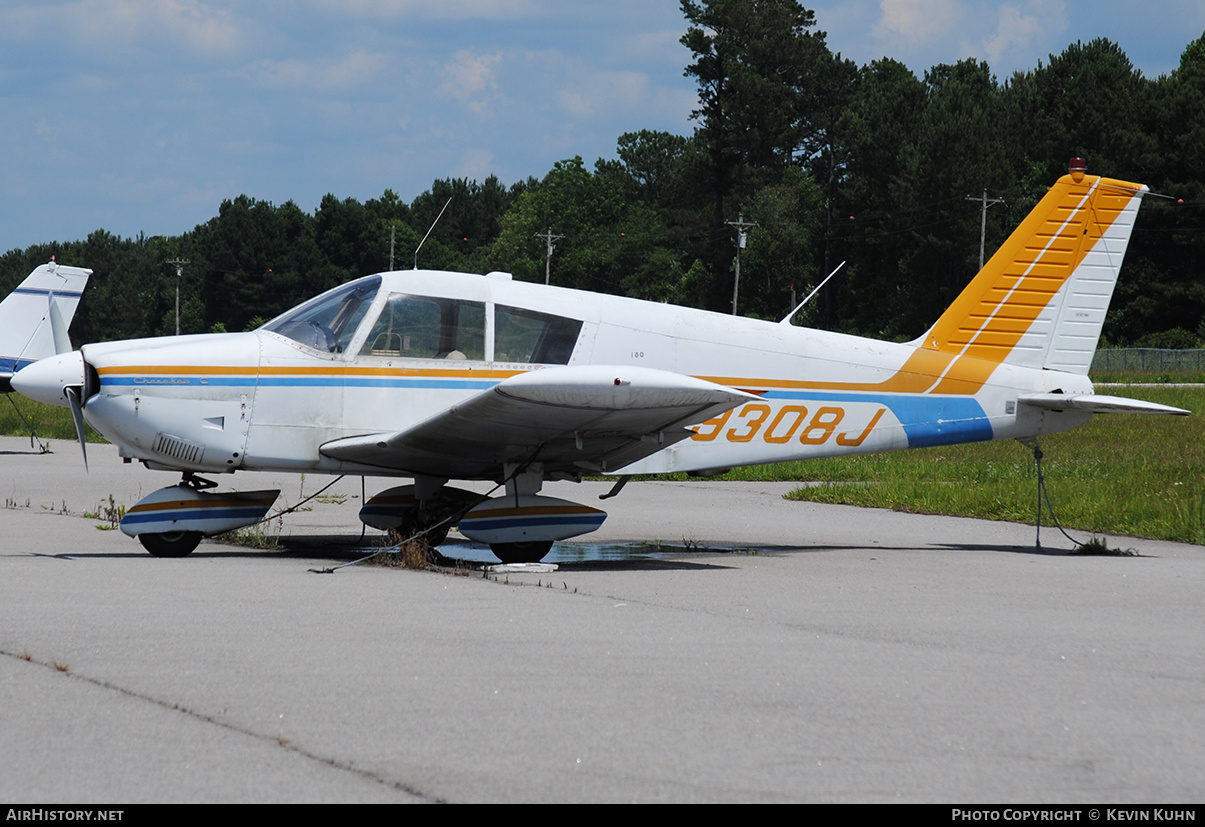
(49, 421)
(1169, 377)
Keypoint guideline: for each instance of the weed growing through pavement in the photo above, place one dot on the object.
(264, 536)
(415, 553)
(111, 514)
(1098, 547)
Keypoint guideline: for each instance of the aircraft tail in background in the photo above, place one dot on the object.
(35, 316)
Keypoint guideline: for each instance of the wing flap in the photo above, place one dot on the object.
(1094, 403)
(574, 419)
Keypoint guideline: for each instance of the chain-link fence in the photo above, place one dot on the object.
(1153, 359)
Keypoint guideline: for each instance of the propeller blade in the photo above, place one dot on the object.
(77, 413)
(58, 328)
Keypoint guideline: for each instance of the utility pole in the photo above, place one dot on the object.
(548, 239)
(741, 224)
(179, 265)
(391, 231)
(987, 202)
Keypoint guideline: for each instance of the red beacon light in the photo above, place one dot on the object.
(1078, 167)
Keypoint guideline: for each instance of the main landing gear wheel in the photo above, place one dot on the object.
(529, 552)
(171, 544)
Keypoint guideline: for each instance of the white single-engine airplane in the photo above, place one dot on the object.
(34, 317)
(438, 376)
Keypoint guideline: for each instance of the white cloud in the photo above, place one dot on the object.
(462, 10)
(595, 94)
(183, 26)
(475, 164)
(666, 43)
(575, 102)
(579, 89)
(1021, 27)
(919, 21)
(468, 74)
(352, 71)
(473, 79)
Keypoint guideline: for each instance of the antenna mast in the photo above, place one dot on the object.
(432, 227)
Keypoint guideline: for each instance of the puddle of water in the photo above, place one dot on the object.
(574, 552)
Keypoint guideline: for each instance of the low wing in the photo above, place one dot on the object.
(571, 419)
(1094, 403)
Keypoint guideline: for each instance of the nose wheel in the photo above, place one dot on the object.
(528, 552)
(171, 544)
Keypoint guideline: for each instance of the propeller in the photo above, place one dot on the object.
(72, 392)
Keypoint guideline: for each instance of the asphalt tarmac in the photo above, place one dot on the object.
(837, 655)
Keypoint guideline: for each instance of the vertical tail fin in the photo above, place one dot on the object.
(1040, 301)
(34, 317)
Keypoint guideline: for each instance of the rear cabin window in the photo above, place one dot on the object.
(420, 327)
(533, 338)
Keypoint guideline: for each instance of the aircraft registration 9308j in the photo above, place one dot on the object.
(437, 376)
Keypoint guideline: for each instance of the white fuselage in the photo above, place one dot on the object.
(266, 401)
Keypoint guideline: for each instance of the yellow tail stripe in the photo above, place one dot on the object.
(1000, 305)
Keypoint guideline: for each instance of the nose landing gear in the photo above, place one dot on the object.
(171, 521)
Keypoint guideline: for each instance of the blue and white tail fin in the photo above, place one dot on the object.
(34, 318)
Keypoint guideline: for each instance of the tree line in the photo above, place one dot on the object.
(815, 160)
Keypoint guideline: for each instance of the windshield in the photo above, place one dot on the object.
(328, 322)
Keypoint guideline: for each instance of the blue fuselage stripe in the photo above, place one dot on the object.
(927, 419)
(297, 382)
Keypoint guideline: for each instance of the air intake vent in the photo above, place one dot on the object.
(178, 449)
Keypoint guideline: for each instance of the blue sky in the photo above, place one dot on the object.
(142, 115)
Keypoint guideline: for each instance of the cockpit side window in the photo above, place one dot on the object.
(423, 327)
(533, 338)
(328, 322)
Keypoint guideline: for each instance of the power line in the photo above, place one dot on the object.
(548, 239)
(179, 265)
(987, 202)
(741, 224)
